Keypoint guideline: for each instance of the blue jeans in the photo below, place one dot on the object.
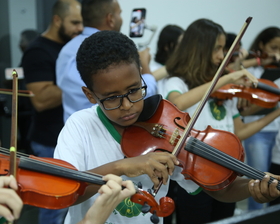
(258, 150)
(48, 216)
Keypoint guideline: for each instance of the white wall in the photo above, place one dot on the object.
(231, 14)
(22, 15)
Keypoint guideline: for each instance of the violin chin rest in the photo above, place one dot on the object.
(150, 107)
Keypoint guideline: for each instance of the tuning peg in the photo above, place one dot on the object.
(139, 185)
(145, 208)
(150, 191)
(154, 218)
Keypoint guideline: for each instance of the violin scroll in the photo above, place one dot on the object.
(165, 207)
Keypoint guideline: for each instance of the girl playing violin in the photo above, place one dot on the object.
(191, 68)
(259, 146)
(252, 58)
(110, 195)
(109, 65)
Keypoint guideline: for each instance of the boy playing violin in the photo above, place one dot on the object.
(109, 65)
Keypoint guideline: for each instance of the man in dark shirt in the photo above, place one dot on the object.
(38, 63)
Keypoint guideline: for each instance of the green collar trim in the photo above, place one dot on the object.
(107, 123)
(172, 92)
(236, 115)
(197, 191)
(3, 220)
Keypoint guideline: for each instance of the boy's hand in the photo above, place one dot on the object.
(157, 165)
(263, 192)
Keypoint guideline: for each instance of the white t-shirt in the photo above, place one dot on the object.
(89, 140)
(218, 117)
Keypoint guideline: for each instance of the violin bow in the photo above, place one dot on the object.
(25, 93)
(13, 145)
(207, 94)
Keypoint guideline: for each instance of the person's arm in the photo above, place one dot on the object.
(111, 194)
(190, 98)
(10, 202)
(46, 95)
(247, 63)
(160, 73)
(150, 80)
(153, 164)
(242, 188)
(245, 130)
(258, 61)
(247, 108)
(39, 72)
(145, 59)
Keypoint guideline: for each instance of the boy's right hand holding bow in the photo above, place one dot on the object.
(157, 165)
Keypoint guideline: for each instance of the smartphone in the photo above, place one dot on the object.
(137, 22)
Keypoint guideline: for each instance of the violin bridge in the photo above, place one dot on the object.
(174, 137)
(158, 131)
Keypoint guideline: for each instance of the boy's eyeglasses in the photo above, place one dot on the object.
(133, 95)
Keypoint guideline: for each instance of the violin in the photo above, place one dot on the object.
(264, 55)
(266, 94)
(54, 184)
(211, 158)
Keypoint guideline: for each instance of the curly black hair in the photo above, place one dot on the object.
(104, 49)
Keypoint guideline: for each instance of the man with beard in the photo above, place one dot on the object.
(38, 63)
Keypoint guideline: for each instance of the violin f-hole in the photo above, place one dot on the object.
(177, 124)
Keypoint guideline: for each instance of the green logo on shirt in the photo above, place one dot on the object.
(128, 208)
(218, 111)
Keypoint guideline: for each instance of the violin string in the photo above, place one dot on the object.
(58, 166)
(207, 149)
(233, 163)
(45, 161)
(6, 152)
(70, 170)
(54, 164)
(251, 172)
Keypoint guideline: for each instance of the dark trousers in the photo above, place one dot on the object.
(197, 209)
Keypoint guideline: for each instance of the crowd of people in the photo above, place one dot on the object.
(90, 83)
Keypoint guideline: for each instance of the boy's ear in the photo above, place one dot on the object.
(88, 94)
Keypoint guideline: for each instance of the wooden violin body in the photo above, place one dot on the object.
(161, 133)
(258, 96)
(44, 190)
